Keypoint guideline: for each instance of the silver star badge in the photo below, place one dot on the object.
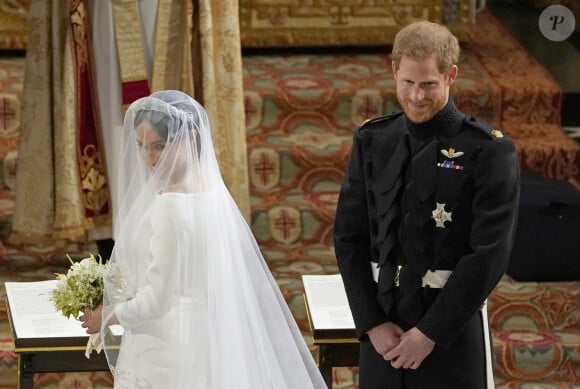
(440, 215)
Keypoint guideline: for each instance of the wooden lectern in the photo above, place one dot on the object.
(336, 339)
(56, 352)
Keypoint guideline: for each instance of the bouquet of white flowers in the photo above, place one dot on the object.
(81, 288)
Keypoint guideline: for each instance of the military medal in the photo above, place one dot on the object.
(448, 163)
(440, 215)
(451, 153)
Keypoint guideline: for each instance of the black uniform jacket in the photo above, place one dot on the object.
(441, 195)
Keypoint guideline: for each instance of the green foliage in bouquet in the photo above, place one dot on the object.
(81, 287)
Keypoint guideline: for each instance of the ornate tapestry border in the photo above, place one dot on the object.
(13, 25)
(297, 23)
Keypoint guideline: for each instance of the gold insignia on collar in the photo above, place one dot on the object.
(497, 133)
(451, 153)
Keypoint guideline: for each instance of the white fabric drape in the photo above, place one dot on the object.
(108, 82)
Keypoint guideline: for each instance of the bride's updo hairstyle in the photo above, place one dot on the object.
(182, 114)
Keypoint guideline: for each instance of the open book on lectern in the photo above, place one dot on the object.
(34, 316)
(327, 305)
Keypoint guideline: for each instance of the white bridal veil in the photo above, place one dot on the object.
(193, 293)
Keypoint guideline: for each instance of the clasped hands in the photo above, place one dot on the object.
(405, 350)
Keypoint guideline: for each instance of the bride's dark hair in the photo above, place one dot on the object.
(161, 121)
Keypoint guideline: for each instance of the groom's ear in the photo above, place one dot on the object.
(452, 75)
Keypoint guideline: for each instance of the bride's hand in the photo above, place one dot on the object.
(91, 319)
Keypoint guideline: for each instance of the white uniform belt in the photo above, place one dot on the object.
(432, 278)
(435, 278)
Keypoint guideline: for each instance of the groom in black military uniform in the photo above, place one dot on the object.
(424, 226)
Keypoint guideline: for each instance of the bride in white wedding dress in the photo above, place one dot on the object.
(197, 302)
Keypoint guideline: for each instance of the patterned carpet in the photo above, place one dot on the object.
(300, 113)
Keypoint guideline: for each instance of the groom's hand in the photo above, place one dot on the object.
(385, 336)
(411, 351)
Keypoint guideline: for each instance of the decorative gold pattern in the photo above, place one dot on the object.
(93, 181)
(54, 203)
(130, 50)
(14, 25)
(222, 94)
(47, 203)
(172, 35)
(92, 169)
(339, 22)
